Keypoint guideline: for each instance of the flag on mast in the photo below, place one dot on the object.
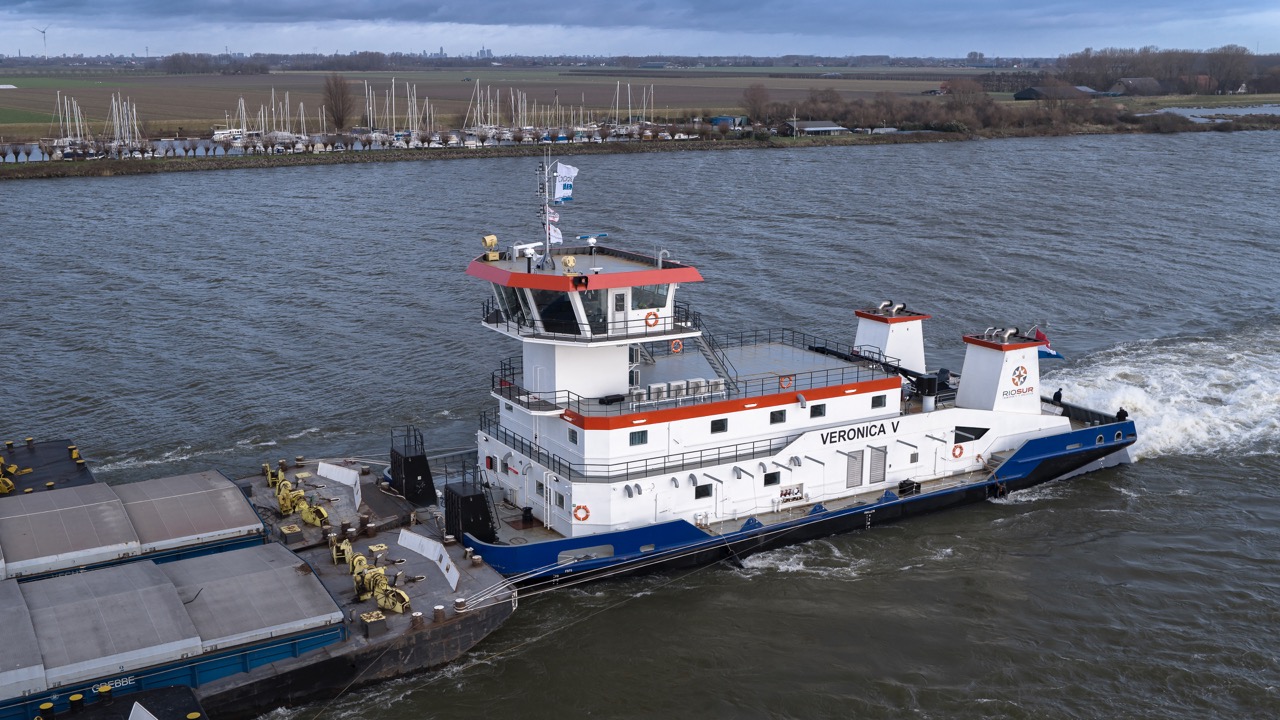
(564, 182)
(554, 236)
(552, 215)
(1047, 352)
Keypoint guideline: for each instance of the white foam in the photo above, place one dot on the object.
(1187, 395)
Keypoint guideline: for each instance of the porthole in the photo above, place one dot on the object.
(1100, 440)
(1119, 436)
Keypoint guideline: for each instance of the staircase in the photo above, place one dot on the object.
(718, 360)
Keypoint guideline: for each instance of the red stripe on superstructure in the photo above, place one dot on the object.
(890, 320)
(1004, 347)
(722, 407)
(604, 281)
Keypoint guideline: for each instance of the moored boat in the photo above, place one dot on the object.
(627, 436)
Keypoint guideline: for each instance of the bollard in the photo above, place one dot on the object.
(460, 604)
(477, 561)
(437, 614)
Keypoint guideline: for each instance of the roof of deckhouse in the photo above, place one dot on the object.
(597, 267)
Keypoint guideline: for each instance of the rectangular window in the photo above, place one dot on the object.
(573, 435)
(878, 455)
(720, 425)
(649, 297)
(879, 401)
(777, 416)
(556, 312)
(817, 411)
(639, 437)
(540, 489)
(560, 500)
(619, 302)
(915, 458)
(701, 491)
(507, 406)
(773, 478)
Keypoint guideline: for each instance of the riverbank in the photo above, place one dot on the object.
(1161, 123)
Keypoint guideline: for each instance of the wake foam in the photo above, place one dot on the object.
(1187, 395)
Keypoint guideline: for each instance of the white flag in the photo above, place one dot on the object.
(564, 181)
(554, 235)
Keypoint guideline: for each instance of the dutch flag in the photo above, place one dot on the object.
(1047, 352)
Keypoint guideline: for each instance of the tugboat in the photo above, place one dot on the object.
(627, 437)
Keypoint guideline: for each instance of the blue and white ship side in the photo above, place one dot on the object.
(626, 436)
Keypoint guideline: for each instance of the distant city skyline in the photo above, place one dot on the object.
(929, 28)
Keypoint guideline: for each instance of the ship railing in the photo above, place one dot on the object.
(506, 383)
(634, 469)
(565, 326)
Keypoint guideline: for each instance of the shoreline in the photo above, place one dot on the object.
(113, 168)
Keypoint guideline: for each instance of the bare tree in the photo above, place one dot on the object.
(755, 101)
(339, 102)
(1229, 66)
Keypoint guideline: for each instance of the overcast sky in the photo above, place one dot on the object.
(939, 28)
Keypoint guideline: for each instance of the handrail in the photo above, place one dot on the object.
(632, 469)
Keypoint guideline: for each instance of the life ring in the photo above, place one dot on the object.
(784, 381)
(581, 513)
(676, 346)
(651, 319)
(957, 451)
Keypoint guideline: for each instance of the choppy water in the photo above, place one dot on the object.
(177, 322)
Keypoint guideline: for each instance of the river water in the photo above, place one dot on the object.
(177, 322)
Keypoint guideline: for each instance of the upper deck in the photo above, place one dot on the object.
(582, 267)
(708, 369)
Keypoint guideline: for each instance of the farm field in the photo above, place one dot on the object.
(189, 105)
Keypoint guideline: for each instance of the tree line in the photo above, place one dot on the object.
(1219, 70)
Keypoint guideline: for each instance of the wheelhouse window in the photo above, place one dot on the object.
(556, 312)
(720, 425)
(649, 297)
(596, 305)
(513, 303)
(639, 437)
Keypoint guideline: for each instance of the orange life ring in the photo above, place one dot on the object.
(957, 451)
(651, 319)
(676, 346)
(581, 513)
(784, 381)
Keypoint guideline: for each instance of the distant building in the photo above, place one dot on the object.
(1052, 92)
(1138, 86)
(655, 65)
(733, 122)
(815, 127)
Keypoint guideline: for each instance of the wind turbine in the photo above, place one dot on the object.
(44, 35)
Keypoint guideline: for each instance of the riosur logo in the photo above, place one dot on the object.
(1019, 375)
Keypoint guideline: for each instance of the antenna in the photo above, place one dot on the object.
(44, 36)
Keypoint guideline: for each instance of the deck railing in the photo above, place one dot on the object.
(633, 469)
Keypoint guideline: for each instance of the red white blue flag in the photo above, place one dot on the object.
(1046, 351)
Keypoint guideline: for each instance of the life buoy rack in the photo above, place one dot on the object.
(676, 346)
(651, 319)
(957, 451)
(581, 513)
(784, 381)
